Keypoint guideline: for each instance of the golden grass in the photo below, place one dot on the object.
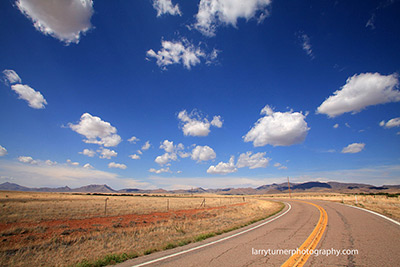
(388, 206)
(30, 234)
(22, 206)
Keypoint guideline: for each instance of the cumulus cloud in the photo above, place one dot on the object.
(134, 156)
(171, 152)
(96, 131)
(165, 158)
(213, 13)
(353, 148)
(88, 152)
(336, 126)
(30, 160)
(217, 121)
(254, 161)
(107, 153)
(146, 146)
(223, 168)
(162, 170)
(50, 163)
(278, 129)
(11, 77)
(133, 140)
(395, 122)
(65, 20)
(72, 163)
(27, 159)
(168, 146)
(361, 91)
(34, 98)
(117, 165)
(194, 124)
(3, 151)
(166, 7)
(87, 166)
(180, 52)
(203, 153)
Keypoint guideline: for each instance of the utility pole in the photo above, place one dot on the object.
(290, 195)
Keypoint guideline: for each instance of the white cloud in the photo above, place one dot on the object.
(65, 20)
(134, 156)
(171, 152)
(162, 170)
(133, 140)
(353, 148)
(96, 131)
(72, 163)
(34, 98)
(30, 160)
(195, 125)
(180, 52)
(88, 152)
(166, 6)
(117, 165)
(395, 122)
(223, 168)
(50, 163)
(306, 44)
(254, 161)
(26, 159)
(278, 129)
(217, 121)
(165, 158)
(146, 146)
(87, 166)
(168, 146)
(3, 151)
(183, 154)
(107, 153)
(203, 153)
(361, 91)
(280, 166)
(212, 13)
(336, 126)
(139, 152)
(11, 77)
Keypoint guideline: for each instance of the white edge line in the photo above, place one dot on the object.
(373, 212)
(214, 242)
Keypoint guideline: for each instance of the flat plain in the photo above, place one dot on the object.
(56, 229)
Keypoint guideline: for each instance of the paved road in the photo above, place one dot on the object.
(376, 239)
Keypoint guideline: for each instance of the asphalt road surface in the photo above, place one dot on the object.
(375, 239)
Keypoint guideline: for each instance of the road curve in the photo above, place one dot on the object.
(376, 239)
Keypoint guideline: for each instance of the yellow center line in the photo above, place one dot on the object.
(299, 258)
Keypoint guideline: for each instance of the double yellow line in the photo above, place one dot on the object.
(299, 259)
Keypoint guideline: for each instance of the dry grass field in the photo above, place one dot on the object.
(54, 229)
(388, 206)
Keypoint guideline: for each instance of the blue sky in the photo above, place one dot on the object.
(216, 93)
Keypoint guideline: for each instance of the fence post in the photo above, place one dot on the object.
(105, 207)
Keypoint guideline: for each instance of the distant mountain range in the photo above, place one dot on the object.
(265, 189)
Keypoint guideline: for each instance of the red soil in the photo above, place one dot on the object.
(14, 233)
